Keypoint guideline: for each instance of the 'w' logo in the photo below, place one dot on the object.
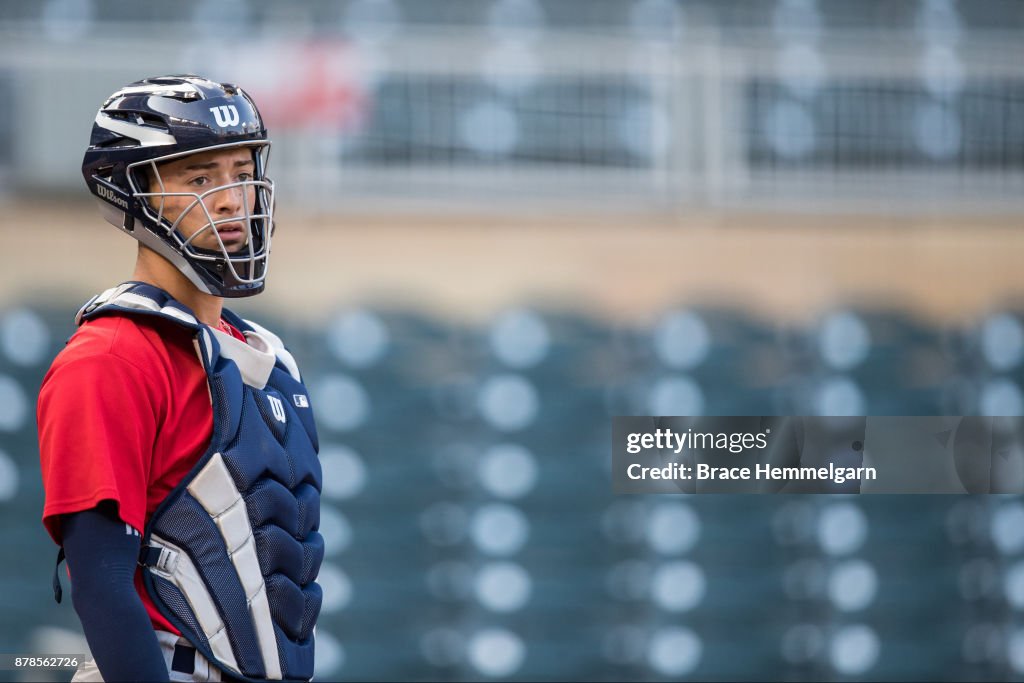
(226, 115)
(278, 408)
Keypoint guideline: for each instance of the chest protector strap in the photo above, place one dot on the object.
(231, 555)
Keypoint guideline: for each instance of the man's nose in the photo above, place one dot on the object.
(228, 201)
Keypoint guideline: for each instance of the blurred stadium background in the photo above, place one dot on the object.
(503, 222)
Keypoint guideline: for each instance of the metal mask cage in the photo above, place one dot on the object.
(248, 266)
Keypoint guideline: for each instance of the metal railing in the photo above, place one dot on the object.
(445, 118)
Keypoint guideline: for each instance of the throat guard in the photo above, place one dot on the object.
(231, 555)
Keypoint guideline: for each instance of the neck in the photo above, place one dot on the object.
(154, 269)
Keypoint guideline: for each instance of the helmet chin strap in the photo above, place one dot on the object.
(175, 258)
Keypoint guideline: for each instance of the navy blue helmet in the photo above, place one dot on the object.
(161, 119)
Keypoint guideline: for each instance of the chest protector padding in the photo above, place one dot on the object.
(232, 554)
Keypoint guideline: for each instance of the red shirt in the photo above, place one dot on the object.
(124, 413)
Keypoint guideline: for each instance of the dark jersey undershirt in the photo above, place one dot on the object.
(102, 559)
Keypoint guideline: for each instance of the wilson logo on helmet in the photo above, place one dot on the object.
(225, 115)
(111, 196)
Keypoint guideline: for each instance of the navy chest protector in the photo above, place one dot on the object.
(231, 555)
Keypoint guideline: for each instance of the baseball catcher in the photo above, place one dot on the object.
(177, 443)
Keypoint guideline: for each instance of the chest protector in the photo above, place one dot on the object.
(231, 555)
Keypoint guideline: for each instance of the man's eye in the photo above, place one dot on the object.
(245, 176)
(200, 181)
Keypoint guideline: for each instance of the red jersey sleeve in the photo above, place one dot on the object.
(98, 418)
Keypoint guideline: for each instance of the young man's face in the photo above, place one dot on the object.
(200, 173)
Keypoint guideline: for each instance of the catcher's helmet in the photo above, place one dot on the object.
(168, 117)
